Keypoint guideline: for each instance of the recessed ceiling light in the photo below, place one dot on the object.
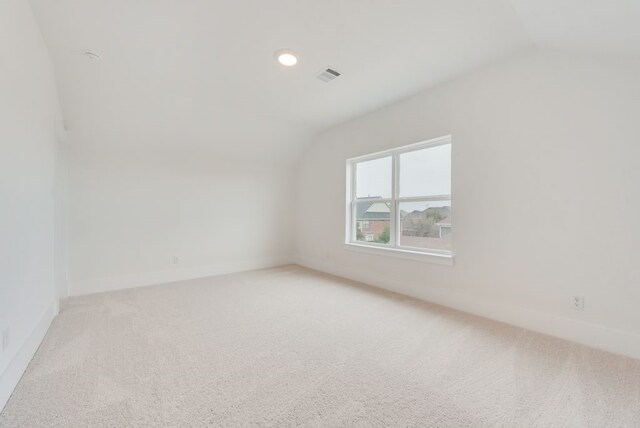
(286, 57)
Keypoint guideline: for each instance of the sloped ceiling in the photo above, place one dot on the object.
(201, 73)
(599, 26)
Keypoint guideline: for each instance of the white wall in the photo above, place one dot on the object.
(546, 195)
(132, 211)
(61, 217)
(29, 117)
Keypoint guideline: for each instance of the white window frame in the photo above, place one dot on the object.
(393, 248)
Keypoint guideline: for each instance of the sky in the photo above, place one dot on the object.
(425, 172)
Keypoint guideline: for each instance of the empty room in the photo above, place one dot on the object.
(283, 213)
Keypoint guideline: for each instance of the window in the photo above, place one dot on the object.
(401, 199)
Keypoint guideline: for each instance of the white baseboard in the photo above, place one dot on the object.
(112, 283)
(593, 335)
(10, 377)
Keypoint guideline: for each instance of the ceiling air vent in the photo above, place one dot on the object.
(328, 75)
(91, 55)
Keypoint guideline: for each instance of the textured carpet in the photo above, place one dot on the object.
(290, 346)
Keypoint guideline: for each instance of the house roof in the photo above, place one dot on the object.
(373, 211)
(444, 222)
(418, 214)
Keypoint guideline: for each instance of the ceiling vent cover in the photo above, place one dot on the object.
(91, 55)
(328, 74)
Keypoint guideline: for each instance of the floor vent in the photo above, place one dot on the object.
(328, 75)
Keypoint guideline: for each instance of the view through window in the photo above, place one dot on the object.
(401, 198)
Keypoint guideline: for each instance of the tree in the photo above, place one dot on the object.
(437, 217)
(384, 236)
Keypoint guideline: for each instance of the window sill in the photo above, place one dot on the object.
(440, 259)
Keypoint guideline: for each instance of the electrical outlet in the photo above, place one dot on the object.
(176, 260)
(5, 339)
(578, 303)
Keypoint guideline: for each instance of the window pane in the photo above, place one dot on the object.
(426, 224)
(372, 222)
(373, 178)
(426, 172)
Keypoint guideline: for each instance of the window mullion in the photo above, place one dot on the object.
(352, 226)
(425, 198)
(395, 221)
(354, 172)
(360, 200)
(352, 221)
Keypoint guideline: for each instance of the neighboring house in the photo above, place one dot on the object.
(371, 219)
(430, 228)
(445, 227)
(426, 223)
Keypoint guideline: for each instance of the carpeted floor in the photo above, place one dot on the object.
(290, 346)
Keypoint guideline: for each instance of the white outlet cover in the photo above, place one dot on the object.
(5, 339)
(578, 303)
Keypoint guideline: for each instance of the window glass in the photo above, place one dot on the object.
(425, 224)
(373, 178)
(426, 172)
(373, 220)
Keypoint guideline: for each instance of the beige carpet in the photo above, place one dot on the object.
(292, 347)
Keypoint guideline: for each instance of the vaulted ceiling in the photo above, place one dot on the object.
(201, 73)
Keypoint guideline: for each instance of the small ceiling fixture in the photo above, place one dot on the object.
(286, 57)
(91, 55)
(328, 74)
